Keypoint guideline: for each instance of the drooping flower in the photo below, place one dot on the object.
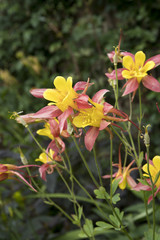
(52, 130)
(98, 117)
(123, 174)
(48, 160)
(10, 171)
(136, 70)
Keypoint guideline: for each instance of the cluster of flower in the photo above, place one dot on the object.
(70, 109)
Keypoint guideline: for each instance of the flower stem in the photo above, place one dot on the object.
(85, 163)
(111, 168)
(153, 200)
(97, 166)
(116, 92)
(140, 118)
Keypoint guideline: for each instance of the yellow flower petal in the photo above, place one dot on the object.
(128, 62)
(69, 82)
(60, 83)
(52, 95)
(140, 58)
(148, 66)
(151, 169)
(156, 162)
(127, 74)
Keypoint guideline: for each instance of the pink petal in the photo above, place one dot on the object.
(81, 85)
(99, 95)
(38, 92)
(127, 54)
(109, 176)
(112, 75)
(63, 117)
(131, 86)
(21, 177)
(155, 194)
(104, 124)
(131, 182)
(42, 171)
(141, 186)
(82, 101)
(54, 127)
(61, 144)
(90, 137)
(107, 107)
(47, 112)
(52, 145)
(151, 83)
(155, 59)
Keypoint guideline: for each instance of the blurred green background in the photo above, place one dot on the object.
(42, 39)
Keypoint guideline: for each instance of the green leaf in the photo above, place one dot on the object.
(115, 185)
(116, 198)
(88, 230)
(101, 193)
(104, 225)
(149, 235)
(140, 159)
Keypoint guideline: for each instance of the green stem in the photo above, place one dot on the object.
(116, 92)
(140, 118)
(97, 166)
(85, 163)
(153, 200)
(111, 168)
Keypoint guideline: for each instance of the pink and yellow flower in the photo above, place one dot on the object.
(123, 174)
(136, 71)
(154, 169)
(98, 117)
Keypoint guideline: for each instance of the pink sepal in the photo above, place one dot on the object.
(107, 107)
(99, 95)
(38, 92)
(24, 180)
(155, 59)
(81, 85)
(104, 124)
(142, 187)
(90, 137)
(46, 168)
(151, 83)
(47, 112)
(63, 117)
(109, 176)
(112, 75)
(122, 54)
(82, 101)
(54, 127)
(131, 86)
(131, 181)
(155, 194)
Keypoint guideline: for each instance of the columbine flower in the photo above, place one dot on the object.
(154, 168)
(123, 174)
(97, 117)
(135, 70)
(48, 163)
(52, 130)
(10, 171)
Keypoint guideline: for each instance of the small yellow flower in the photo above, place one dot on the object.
(46, 131)
(45, 158)
(136, 69)
(63, 95)
(154, 168)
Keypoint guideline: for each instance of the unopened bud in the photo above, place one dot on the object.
(23, 158)
(146, 136)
